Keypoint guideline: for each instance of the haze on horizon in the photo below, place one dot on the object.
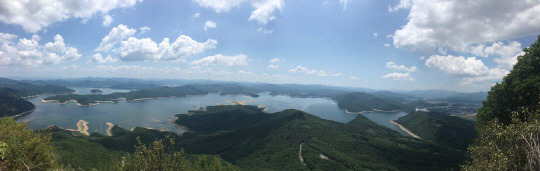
(394, 45)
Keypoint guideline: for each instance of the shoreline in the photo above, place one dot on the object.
(405, 129)
(24, 113)
(173, 122)
(109, 133)
(371, 111)
(82, 127)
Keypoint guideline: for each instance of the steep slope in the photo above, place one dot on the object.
(274, 140)
(11, 105)
(444, 129)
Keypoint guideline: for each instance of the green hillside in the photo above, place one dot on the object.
(273, 142)
(27, 89)
(443, 129)
(11, 105)
(358, 102)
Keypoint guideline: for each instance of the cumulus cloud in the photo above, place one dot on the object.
(434, 23)
(237, 60)
(263, 13)
(353, 78)
(393, 66)
(196, 15)
(28, 52)
(272, 66)
(276, 60)
(375, 34)
(399, 76)
(386, 45)
(35, 15)
(114, 37)
(471, 69)
(507, 54)
(301, 69)
(129, 48)
(209, 24)
(98, 58)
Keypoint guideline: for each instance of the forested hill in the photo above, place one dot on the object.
(441, 128)
(255, 140)
(360, 102)
(25, 89)
(11, 105)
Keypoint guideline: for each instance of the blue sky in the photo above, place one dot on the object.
(380, 44)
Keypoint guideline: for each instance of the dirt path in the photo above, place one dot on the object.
(406, 130)
(300, 155)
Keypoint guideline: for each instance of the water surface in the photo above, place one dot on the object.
(157, 113)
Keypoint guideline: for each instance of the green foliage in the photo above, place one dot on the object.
(358, 102)
(11, 105)
(513, 146)
(161, 155)
(24, 149)
(273, 143)
(446, 130)
(520, 88)
(223, 118)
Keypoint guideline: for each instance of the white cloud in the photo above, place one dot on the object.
(322, 73)
(28, 52)
(457, 65)
(456, 25)
(107, 20)
(272, 66)
(97, 58)
(144, 29)
(393, 66)
(263, 13)
(209, 24)
(353, 78)
(386, 45)
(276, 60)
(399, 76)
(114, 37)
(301, 69)
(507, 54)
(129, 48)
(264, 31)
(471, 69)
(145, 49)
(196, 15)
(38, 14)
(375, 34)
(344, 2)
(237, 60)
(337, 74)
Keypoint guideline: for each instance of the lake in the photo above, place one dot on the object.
(156, 113)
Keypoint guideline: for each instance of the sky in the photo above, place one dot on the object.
(466, 45)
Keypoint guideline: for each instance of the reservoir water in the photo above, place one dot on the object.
(157, 113)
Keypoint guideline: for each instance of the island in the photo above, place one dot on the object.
(96, 91)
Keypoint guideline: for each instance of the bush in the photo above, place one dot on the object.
(22, 149)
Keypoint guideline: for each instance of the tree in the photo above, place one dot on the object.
(520, 88)
(22, 149)
(514, 146)
(161, 155)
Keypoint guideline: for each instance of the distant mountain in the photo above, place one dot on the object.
(394, 95)
(25, 89)
(431, 94)
(476, 98)
(11, 104)
(441, 128)
(254, 140)
(359, 102)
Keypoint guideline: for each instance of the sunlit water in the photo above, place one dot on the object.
(156, 113)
